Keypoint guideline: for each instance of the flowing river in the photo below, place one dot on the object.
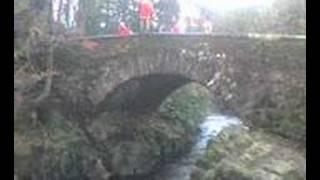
(182, 169)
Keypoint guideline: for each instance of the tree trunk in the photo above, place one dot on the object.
(60, 10)
(67, 9)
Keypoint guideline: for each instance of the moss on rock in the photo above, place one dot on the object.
(249, 155)
(56, 150)
(189, 105)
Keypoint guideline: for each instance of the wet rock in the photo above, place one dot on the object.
(227, 170)
(197, 173)
(130, 158)
(60, 153)
(99, 172)
(135, 148)
(294, 175)
(210, 174)
(238, 154)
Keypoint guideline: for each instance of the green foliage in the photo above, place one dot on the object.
(284, 111)
(168, 13)
(110, 12)
(20, 6)
(188, 105)
(283, 16)
(56, 150)
(66, 163)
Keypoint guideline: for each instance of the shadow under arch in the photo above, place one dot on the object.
(141, 95)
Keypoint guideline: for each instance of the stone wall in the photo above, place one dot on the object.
(261, 80)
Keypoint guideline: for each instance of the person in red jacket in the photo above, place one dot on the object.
(124, 30)
(146, 14)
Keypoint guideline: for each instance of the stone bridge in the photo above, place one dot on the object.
(262, 79)
(134, 74)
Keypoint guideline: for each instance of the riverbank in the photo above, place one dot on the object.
(112, 144)
(241, 154)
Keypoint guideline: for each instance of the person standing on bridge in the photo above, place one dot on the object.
(124, 30)
(146, 14)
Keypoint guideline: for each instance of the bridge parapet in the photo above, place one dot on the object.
(111, 44)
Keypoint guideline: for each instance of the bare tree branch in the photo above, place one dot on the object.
(47, 88)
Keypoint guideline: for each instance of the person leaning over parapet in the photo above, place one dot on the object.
(124, 30)
(146, 14)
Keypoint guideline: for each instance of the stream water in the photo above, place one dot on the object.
(182, 168)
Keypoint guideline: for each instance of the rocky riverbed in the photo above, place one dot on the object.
(183, 167)
(176, 143)
(241, 154)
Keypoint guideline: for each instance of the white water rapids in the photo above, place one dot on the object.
(210, 128)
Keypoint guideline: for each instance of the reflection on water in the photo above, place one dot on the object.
(210, 128)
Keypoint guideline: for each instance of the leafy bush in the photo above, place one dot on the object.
(188, 105)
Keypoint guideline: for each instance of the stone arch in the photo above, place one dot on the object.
(142, 94)
(232, 66)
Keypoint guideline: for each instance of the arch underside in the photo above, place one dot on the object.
(141, 95)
